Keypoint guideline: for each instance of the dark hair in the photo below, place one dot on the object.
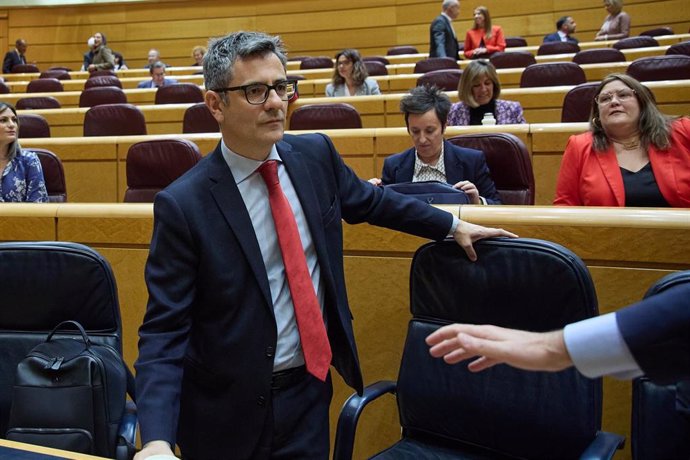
(561, 21)
(359, 70)
(104, 41)
(14, 147)
(424, 98)
(654, 127)
(117, 56)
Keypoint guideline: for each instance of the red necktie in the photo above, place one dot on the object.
(312, 331)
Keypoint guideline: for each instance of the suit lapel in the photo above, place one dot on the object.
(455, 170)
(405, 170)
(611, 169)
(229, 201)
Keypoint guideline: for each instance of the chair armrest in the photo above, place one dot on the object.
(349, 415)
(604, 446)
(127, 433)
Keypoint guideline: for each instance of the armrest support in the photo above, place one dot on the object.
(604, 446)
(127, 433)
(349, 415)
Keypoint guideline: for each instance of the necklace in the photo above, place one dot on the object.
(629, 145)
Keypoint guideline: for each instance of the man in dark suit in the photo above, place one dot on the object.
(650, 337)
(157, 71)
(565, 26)
(432, 157)
(14, 57)
(226, 368)
(442, 39)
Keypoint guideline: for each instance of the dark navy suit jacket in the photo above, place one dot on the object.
(554, 37)
(442, 42)
(12, 58)
(657, 332)
(209, 335)
(460, 163)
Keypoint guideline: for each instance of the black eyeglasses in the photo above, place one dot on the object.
(257, 93)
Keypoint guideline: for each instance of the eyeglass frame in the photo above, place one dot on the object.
(616, 94)
(268, 88)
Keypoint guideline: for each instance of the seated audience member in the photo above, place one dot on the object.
(157, 71)
(21, 176)
(433, 158)
(483, 39)
(350, 76)
(617, 23)
(153, 57)
(119, 61)
(102, 55)
(14, 57)
(565, 26)
(198, 53)
(648, 338)
(478, 92)
(88, 56)
(632, 155)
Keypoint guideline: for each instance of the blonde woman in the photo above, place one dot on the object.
(617, 23)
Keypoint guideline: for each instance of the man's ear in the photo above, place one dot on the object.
(213, 101)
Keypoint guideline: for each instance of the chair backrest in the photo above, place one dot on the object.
(658, 31)
(114, 120)
(658, 429)
(44, 283)
(635, 42)
(99, 95)
(376, 68)
(66, 69)
(102, 80)
(679, 48)
(38, 102)
(32, 125)
(58, 73)
(509, 163)
(53, 174)
(599, 55)
(319, 62)
(102, 73)
(297, 58)
(445, 79)
(44, 85)
(512, 59)
(512, 42)
(552, 74)
(557, 48)
(198, 119)
(655, 68)
(153, 165)
(402, 49)
(536, 415)
(325, 116)
(380, 59)
(179, 93)
(4, 89)
(435, 63)
(25, 68)
(577, 104)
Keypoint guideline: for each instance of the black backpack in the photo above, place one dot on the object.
(69, 393)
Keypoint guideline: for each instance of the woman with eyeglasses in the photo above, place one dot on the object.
(350, 76)
(21, 176)
(633, 155)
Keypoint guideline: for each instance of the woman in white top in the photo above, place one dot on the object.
(350, 76)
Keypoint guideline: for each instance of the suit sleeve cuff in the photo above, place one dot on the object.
(453, 226)
(597, 348)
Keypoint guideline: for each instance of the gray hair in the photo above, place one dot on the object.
(14, 148)
(156, 65)
(448, 3)
(424, 98)
(224, 51)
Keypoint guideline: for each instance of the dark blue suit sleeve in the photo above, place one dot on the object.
(657, 332)
(438, 38)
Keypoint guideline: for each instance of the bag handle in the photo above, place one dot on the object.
(87, 341)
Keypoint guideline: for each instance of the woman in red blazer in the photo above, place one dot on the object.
(633, 155)
(479, 42)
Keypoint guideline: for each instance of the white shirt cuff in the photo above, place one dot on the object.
(597, 348)
(453, 226)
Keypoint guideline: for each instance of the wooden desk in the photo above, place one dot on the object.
(11, 449)
(625, 249)
(127, 83)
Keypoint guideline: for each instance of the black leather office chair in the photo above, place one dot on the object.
(448, 412)
(660, 426)
(43, 284)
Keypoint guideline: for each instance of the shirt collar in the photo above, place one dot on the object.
(243, 167)
(562, 34)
